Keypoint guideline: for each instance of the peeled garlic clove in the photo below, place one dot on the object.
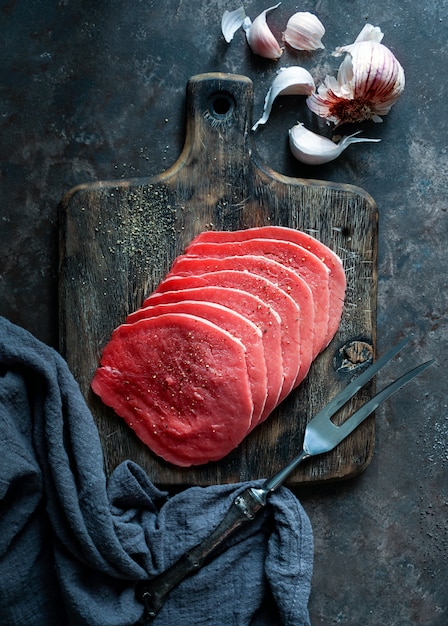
(293, 80)
(231, 21)
(304, 31)
(260, 38)
(314, 149)
(370, 80)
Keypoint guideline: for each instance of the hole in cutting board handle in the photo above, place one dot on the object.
(221, 105)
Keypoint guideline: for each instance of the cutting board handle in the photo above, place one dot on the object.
(218, 125)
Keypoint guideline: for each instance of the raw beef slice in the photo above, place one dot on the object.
(181, 383)
(238, 326)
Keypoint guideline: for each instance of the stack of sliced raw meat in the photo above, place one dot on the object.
(224, 338)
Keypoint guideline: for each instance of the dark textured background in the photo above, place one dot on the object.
(93, 91)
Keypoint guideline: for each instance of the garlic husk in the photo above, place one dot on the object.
(369, 81)
(304, 31)
(231, 21)
(293, 80)
(260, 38)
(314, 149)
(369, 33)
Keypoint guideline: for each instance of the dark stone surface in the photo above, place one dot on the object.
(93, 91)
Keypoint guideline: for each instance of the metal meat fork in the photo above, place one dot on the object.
(321, 435)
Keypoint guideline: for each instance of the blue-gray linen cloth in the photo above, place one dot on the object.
(73, 545)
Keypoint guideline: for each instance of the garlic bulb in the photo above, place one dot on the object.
(304, 31)
(260, 38)
(314, 149)
(293, 80)
(231, 21)
(369, 82)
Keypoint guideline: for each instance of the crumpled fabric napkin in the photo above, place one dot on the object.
(73, 546)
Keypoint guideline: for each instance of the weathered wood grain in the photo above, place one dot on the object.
(119, 238)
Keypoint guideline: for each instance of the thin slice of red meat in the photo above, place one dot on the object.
(205, 288)
(334, 263)
(181, 383)
(306, 264)
(234, 323)
(297, 321)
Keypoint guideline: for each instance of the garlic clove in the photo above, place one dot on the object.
(260, 38)
(293, 80)
(231, 21)
(304, 31)
(370, 80)
(314, 149)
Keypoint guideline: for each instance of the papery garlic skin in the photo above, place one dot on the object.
(313, 149)
(231, 21)
(368, 33)
(260, 38)
(293, 80)
(304, 31)
(370, 80)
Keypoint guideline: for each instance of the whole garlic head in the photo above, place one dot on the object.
(369, 81)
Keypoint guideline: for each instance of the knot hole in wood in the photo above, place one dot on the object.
(353, 355)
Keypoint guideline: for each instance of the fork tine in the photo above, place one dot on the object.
(352, 388)
(354, 420)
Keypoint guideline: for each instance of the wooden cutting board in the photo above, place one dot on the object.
(119, 238)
